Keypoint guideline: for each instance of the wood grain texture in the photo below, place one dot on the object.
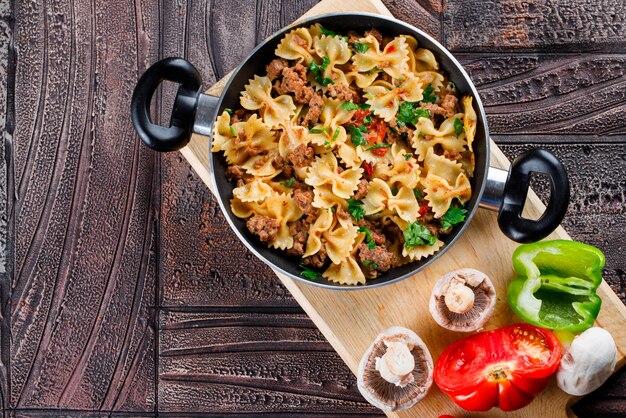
(570, 98)
(6, 131)
(561, 25)
(132, 250)
(251, 362)
(84, 247)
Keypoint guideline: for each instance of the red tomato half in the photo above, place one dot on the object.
(505, 367)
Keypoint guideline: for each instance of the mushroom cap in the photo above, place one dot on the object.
(478, 315)
(388, 396)
(588, 363)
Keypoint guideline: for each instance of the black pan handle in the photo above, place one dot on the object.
(177, 135)
(516, 189)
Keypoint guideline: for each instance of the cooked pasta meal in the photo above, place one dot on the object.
(353, 153)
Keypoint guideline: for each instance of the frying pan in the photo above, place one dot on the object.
(492, 188)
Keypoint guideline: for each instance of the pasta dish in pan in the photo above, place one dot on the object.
(353, 153)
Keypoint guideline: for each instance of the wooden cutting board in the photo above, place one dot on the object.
(351, 320)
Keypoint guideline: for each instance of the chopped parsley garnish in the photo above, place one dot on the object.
(354, 106)
(360, 48)
(458, 126)
(319, 131)
(383, 145)
(328, 32)
(334, 138)
(417, 235)
(394, 191)
(318, 71)
(349, 106)
(355, 209)
(289, 182)
(429, 96)
(229, 111)
(418, 194)
(367, 119)
(356, 134)
(409, 112)
(232, 130)
(368, 237)
(308, 273)
(407, 156)
(370, 264)
(454, 215)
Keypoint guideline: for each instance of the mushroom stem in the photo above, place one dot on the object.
(459, 298)
(396, 365)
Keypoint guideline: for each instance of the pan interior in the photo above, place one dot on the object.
(342, 23)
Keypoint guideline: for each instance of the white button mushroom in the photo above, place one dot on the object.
(396, 365)
(463, 300)
(396, 371)
(588, 363)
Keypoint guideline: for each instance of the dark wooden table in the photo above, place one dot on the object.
(123, 289)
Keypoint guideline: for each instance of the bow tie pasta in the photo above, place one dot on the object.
(353, 153)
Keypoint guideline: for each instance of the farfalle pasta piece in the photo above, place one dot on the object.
(348, 270)
(255, 191)
(291, 137)
(392, 59)
(322, 224)
(297, 45)
(339, 240)
(329, 132)
(442, 167)
(223, 135)
(283, 208)
(349, 155)
(430, 78)
(324, 198)
(450, 144)
(440, 193)
(469, 121)
(336, 49)
(242, 209)
(362, 80)
(444, 182)
(426, 127)
(404, 172)
(420, 59)
(258, 96)
(380, 197)
(422, 251)
(324, 171)
(243, 140)
(384, 97)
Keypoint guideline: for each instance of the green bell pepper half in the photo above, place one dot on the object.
(556, 284)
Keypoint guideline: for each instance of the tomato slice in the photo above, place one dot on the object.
(380, 151)
(359, 115)
(377, 130)
(505, 367)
